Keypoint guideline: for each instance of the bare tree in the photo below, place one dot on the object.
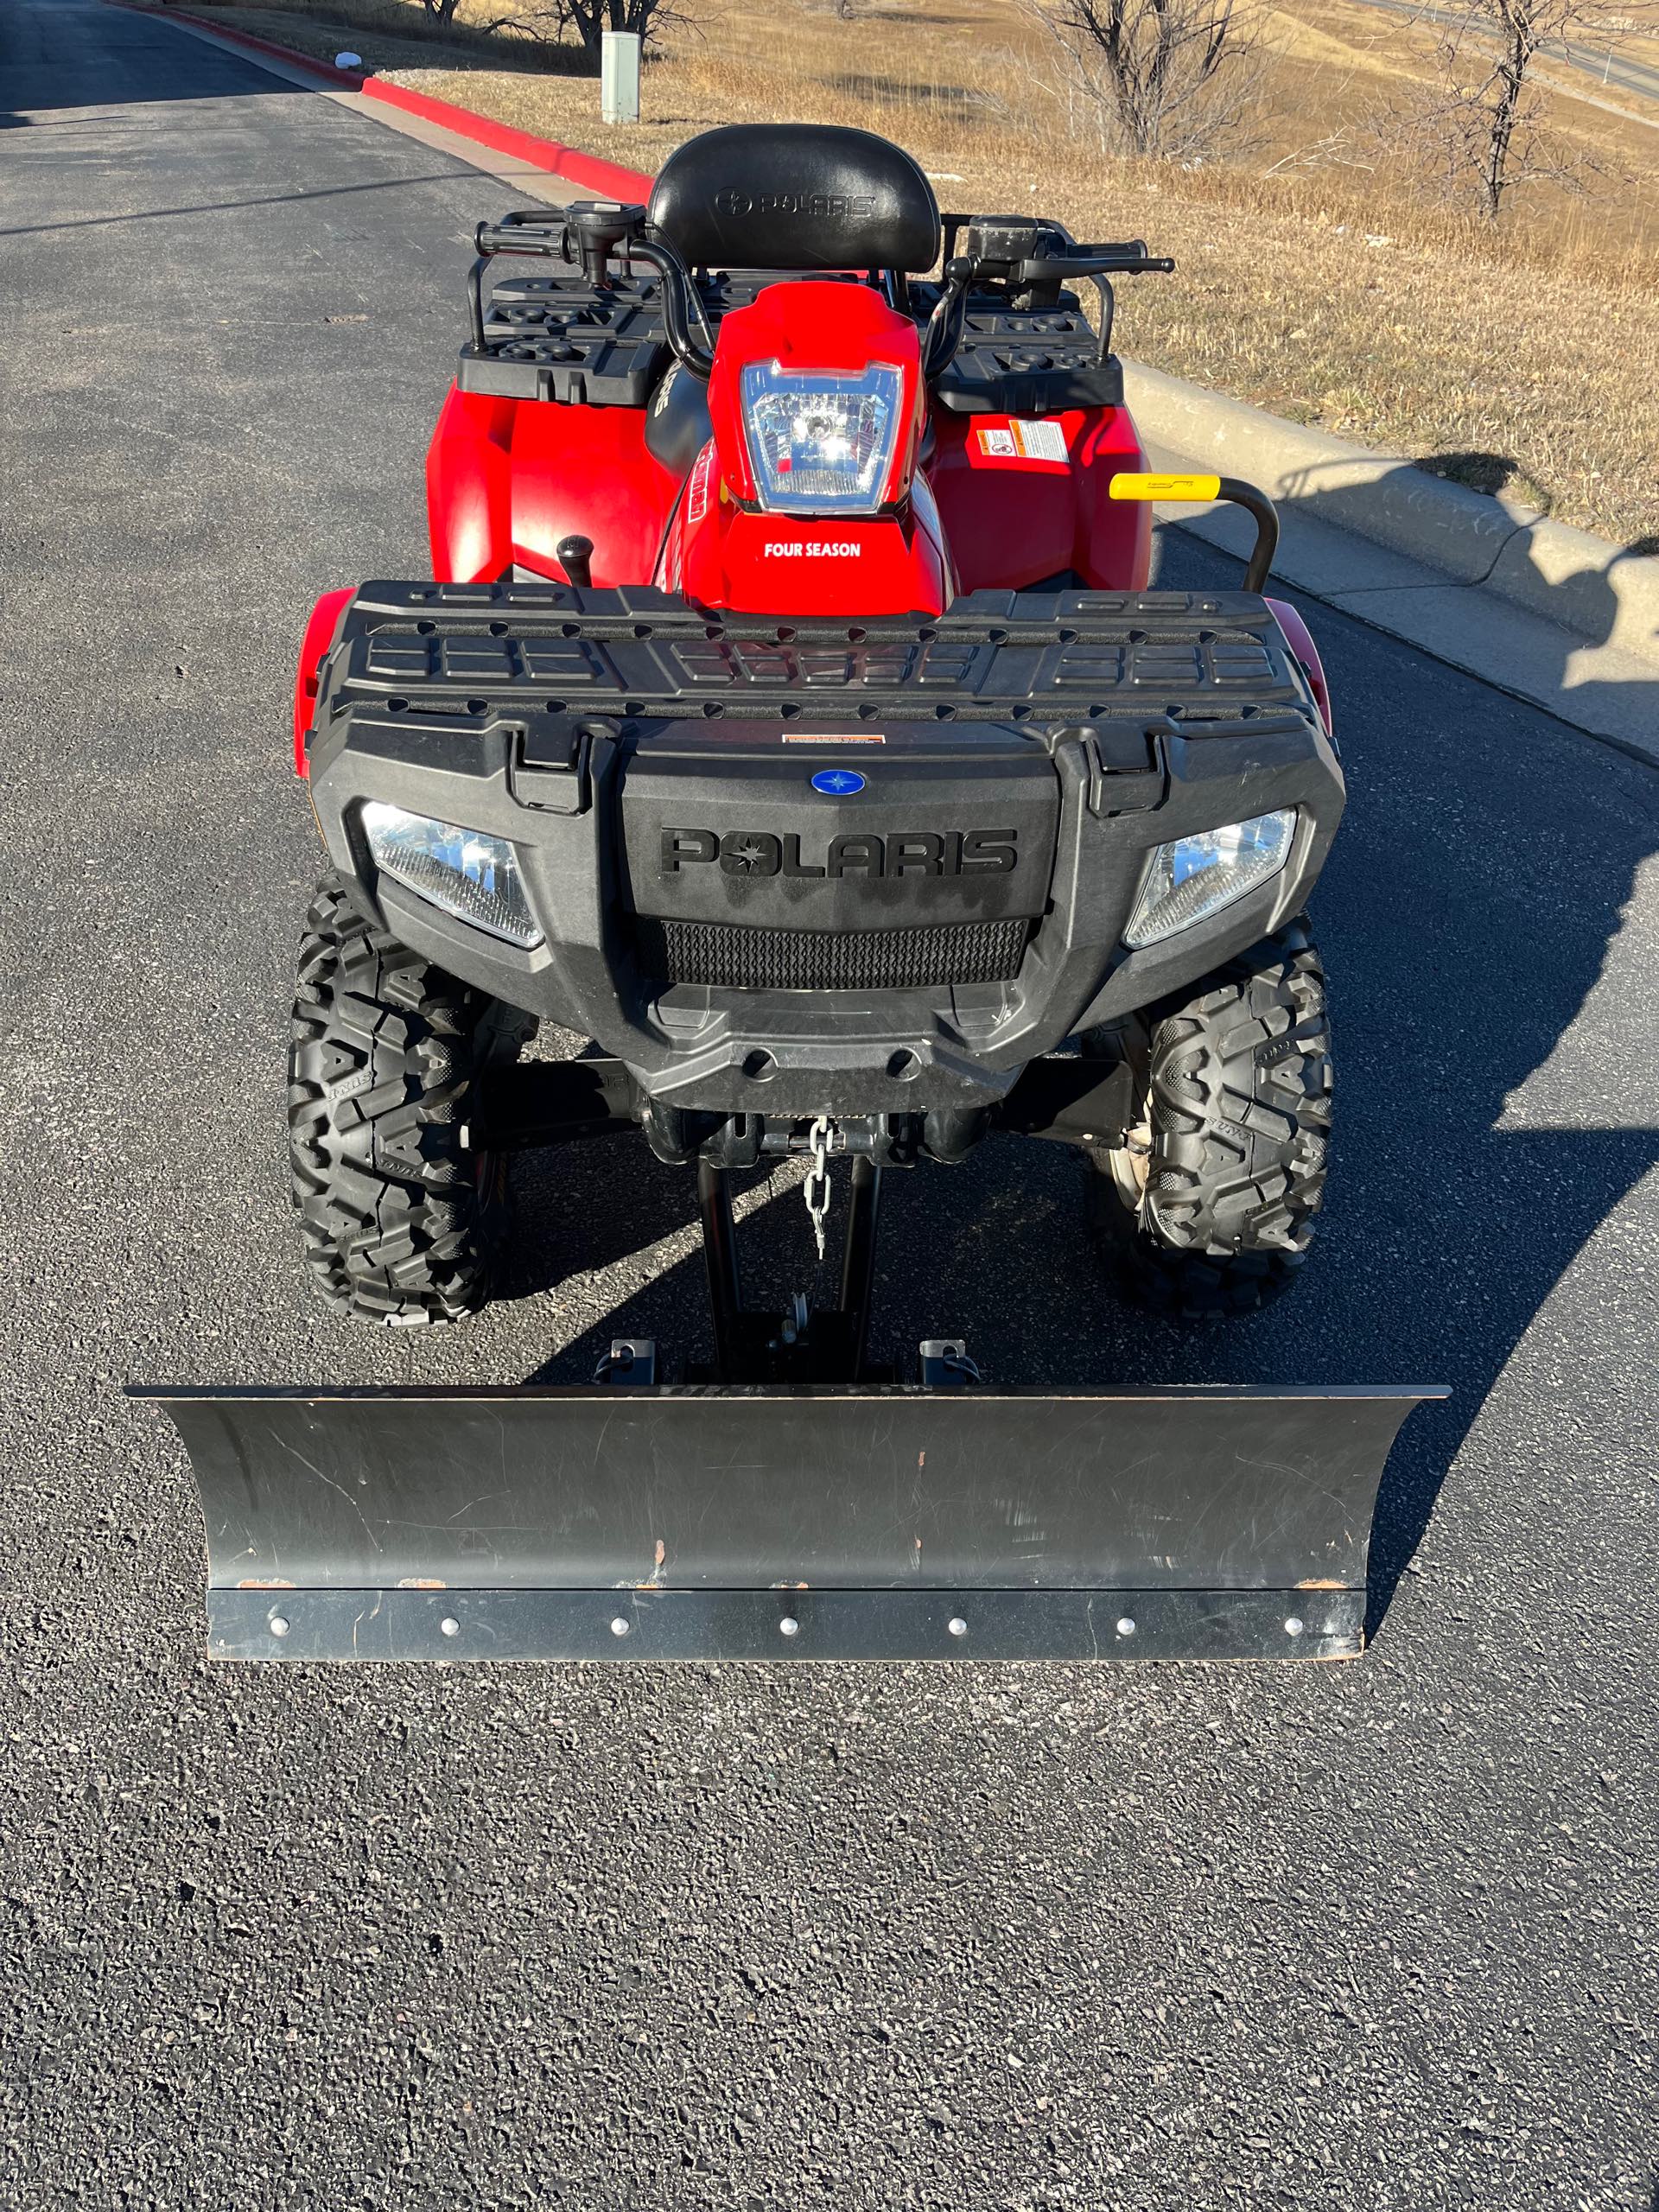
(553, 20)
(591, 19)
(1165, 78)
(1491, 118)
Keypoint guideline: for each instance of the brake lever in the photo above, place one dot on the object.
(1114, 263)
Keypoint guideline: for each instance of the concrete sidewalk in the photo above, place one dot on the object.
(1550, 614)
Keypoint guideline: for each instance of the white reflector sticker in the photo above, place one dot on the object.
(1016, 440)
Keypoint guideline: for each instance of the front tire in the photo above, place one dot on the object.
(396, 1210)
(1209, 1209)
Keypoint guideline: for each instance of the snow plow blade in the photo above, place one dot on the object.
(848, 1523)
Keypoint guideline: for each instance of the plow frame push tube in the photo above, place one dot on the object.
(783, 1521)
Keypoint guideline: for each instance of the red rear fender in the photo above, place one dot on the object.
(507, 479)
(1021, 501)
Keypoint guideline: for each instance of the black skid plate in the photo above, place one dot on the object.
(778, 1524)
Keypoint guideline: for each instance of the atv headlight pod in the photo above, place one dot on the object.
(1195, 877)
(821, 444)
(469, 874)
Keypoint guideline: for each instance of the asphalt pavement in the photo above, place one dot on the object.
(1341, 1938)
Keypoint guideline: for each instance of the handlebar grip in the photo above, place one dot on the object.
(491, 239)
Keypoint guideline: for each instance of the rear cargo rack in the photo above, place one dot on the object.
(562, 338)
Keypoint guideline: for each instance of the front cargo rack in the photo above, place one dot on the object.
(1206, 662)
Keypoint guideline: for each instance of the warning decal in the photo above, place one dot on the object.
(1015, 440)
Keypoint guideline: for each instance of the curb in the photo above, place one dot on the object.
(1580, 582)
(569, 161)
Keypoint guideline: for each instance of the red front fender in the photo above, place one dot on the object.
(1307, 652)
(319, 637)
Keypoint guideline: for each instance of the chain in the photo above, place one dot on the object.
(817, 1186)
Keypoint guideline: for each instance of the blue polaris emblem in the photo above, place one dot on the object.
(838, 783)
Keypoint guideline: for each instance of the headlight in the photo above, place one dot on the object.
(820, 442)
(466, 873)
(1195, 877)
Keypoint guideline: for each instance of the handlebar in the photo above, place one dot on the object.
(1003, 251)
(677, 306)
(1028, 255)
(593, 231)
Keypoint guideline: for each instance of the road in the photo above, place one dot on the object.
(1606, 64)
(1345, 1938)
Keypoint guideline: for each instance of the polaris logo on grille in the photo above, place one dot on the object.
(860, 852)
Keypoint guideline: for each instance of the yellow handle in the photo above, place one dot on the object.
(1131, 485)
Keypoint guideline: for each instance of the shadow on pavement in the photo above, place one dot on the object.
(1520, 940)
(55, 59)
(221, 206)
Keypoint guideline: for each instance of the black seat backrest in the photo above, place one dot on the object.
(795, 196)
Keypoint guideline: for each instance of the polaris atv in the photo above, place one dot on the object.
(790, 717)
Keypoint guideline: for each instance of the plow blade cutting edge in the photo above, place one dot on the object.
(852, 1523)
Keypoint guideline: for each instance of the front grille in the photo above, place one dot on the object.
(732, 958)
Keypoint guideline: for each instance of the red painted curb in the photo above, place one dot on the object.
(568, 161)
(600, 176)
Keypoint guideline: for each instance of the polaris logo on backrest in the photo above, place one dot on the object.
(822, 206)
(860, 852)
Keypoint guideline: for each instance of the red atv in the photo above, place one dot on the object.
(790, 717)
(742, 397)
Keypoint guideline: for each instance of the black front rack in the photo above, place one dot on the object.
(1208, 662)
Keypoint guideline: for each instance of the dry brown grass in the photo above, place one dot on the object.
(1341, 294)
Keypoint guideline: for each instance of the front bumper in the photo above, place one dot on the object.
(712, 919)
